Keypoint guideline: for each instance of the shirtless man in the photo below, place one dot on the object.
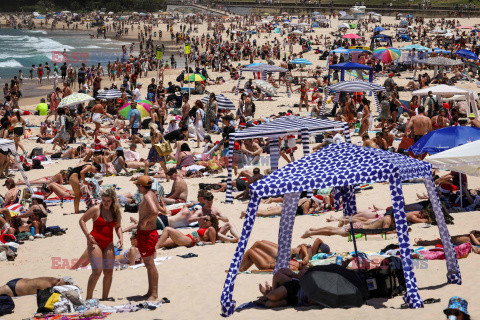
(474, 122)
(66, 89)
(208, 209)
(11, 195)
(251, 152)
(147, 236)
(185, 107)
(24, 287)
(473, 237)
(420, 124)
(179, 191)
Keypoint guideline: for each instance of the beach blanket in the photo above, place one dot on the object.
(461, 252)
(69, 317)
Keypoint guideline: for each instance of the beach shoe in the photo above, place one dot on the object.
(188, 255)
(41, 236)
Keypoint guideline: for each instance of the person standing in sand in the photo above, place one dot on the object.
(147, 235)
(106, 217)
(40, 73)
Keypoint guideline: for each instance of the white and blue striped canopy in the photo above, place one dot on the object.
(287, 125)
(223, 102)
(355, 86)
(111, 94)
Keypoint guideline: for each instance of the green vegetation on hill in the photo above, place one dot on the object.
(81, 5)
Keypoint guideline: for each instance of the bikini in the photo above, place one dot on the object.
(197, 236)
(12, 284)
(103, 232)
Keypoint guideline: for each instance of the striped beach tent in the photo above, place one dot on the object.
(287, 125)
(343, 166)
(111, 94)
(263, 69)
(353, 86)
(223, 102)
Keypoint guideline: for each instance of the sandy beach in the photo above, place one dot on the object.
(194, 285)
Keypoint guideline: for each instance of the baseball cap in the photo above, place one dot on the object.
(144, 181)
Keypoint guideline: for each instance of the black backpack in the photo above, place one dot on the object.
(387, 281)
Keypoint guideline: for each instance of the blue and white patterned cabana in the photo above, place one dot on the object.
(263, 69)
(343, 165)
(288, 125)
(353, 86)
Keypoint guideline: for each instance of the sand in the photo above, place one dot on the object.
(194, 285)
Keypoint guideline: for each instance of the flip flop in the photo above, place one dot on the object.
(431, 300)
(188, 255)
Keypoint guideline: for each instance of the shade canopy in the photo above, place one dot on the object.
(444, 90)
(263, 67)
(465, 159)
(344, 66)
(223, 102)
(342, 166)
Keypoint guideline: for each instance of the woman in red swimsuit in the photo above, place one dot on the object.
(106, 216)
(172, 238)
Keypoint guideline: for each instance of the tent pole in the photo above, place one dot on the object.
(461, 191)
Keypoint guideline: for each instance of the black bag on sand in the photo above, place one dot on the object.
(387, 281)
(6, 304)
(131, 207)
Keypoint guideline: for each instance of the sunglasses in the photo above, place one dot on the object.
(209, 199)
(206, 219)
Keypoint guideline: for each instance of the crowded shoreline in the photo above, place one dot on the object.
(175, 219)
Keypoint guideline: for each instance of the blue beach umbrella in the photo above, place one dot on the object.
(444, 139)
(467, 54)
(378, 29)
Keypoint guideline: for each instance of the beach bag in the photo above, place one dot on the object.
(55, 230)
(46, 299)
(6, 304)
(385, 281)
(131, 207)
(164, 148)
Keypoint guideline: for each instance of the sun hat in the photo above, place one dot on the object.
(458, 303)
(471, 115)
(144, 181)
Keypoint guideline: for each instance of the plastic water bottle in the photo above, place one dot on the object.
(339, 260)
(32, 231)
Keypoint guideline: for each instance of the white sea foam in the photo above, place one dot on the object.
(10, 64)
(92, 47)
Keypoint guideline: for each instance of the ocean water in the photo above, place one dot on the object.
(23, 48)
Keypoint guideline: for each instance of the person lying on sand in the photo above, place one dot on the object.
(284, 291)
(305, 206)
(263, 255)
(473, 237)
(172, 238)
(24, 287)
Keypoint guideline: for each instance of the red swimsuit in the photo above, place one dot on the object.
(103, 232)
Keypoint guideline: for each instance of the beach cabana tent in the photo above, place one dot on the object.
(464, 159)
(288, 125)
(345, 66)
(223, 102)
(8, 146)
(444, 90)
(262, 69)
(381, 38)
(354, 86)
(343, 165)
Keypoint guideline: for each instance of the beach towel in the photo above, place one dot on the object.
(76, 316)
(461, 252)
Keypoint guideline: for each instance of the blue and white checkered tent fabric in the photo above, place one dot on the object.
(339, 165)
(287, 125)
(343, 165)
(223, 102)
(353, 86)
